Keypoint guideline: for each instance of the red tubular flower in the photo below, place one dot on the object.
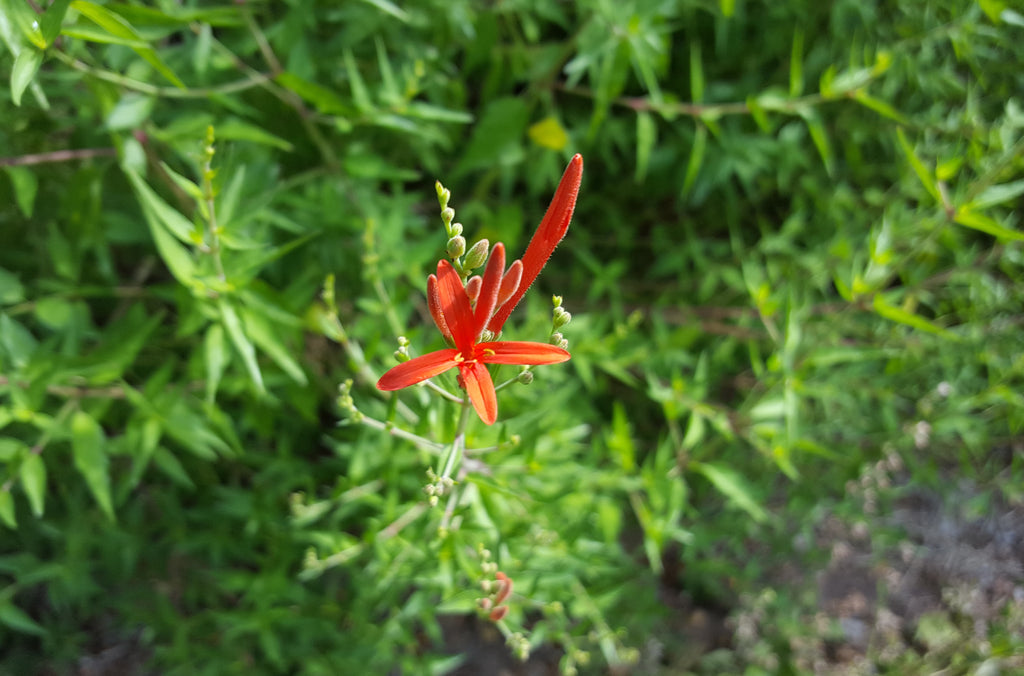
(455, 317)
(549, 233)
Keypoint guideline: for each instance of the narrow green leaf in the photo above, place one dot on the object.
(923, 175)
(696, 73)
(879, 106)
(646, 137)
(11, 289)
(25, 67)
(360, 94)
(33, 480)
(820, 138)
(244, 347)
(700, 141)
(235, 129)
(997, 194)
(326, 101)
(733, 487)
(216, 357)
(26, 184)
(88, 447)
(177, 258)
(169, 217)
(7, 515)
(52, 19)
(901, 316)
(119, 27)
(17, 619)
(269, 341)
(971, 219)
(169, 464)
(796, 63)
(757, 111)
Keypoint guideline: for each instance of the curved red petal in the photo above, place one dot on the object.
(549, 233)
(488, 297)
(520, 352)
(417, 370)
(455, 308)
(434, 305)
(480, 390)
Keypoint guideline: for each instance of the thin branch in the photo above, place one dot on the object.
(56, 156)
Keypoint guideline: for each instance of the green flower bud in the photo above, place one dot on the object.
(526, 377)
(456, 246)
(456, 229)
(447, 214)
(556, 300)
(561, 317)
(477, 255)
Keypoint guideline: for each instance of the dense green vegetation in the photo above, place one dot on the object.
(795, 277)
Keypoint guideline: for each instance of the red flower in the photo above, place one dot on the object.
(549, 233)
(458, 320)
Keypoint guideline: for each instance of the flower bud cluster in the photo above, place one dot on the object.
(500, 589)
(346, 403)
(402, 353)
(437, 487)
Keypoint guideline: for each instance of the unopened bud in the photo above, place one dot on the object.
(525, 377)
(556, 300)
(561, 317)
(564, 344)
(473, 287)
(498, 614)
(447, 214)
(456, 229)
(456, 246)
(477, 255)
(510, 282)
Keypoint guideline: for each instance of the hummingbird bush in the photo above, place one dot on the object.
(793, 269)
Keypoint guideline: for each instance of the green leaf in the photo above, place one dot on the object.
(90, 457)
(118, 26)
(326, 101)
(26, 185)
(696, 73)
(216, 357)
(269, 341)
(997, 194)
(11, 289)
(25, 67)
(796, 63)
(33, 480)
(497, 137)
(244, 347)
(817, 130)
(17, 619)
(52, 19)
(646, 137)
(733, 487)
(879, 106)
(169, 217)
(700, 142)
(7, 515)
(178, 259)
(130, 112)
(923, 175)
(897, 314)
(235, 129)
(970, 219)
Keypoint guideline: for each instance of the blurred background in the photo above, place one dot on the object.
(788, 440)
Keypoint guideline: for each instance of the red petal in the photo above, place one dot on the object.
(417, 370)
(488, 297)
(455, 306)
(549, 233)
(520, 352)
(434, 305)
(480, 390)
